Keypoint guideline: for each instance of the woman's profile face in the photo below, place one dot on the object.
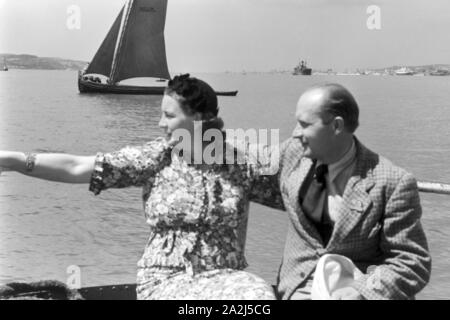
(173, 116)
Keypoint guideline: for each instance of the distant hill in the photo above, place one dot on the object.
(27, 61)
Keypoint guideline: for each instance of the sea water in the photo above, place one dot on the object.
(47, 228)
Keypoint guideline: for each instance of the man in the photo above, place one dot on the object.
(344, 199)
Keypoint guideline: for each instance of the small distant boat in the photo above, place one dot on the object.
(301, 69)
(440, 72)
(133, 48)
(404, 72)
(5, 66)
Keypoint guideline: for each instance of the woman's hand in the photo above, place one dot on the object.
(4, 159)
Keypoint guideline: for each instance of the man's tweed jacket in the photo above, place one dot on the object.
(379, 227)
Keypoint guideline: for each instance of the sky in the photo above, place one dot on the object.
(251, 35)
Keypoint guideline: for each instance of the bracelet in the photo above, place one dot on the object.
(30, 161)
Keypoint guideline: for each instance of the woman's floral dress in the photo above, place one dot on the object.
(198, 221)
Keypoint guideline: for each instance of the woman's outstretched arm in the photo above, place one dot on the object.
(49, 166)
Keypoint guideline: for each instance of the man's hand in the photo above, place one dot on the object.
(346, 293)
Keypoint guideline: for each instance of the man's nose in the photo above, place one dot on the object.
(162, 123)
(298, 132)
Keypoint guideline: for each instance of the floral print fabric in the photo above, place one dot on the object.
(198, 218)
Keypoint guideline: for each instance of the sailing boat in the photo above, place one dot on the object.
(134, 47)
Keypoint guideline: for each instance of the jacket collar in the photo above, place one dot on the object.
(356, 197)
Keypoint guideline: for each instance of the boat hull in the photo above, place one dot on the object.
(86, 86)
(114, 292)
(440, 73)
(93, 87)
(304, 72)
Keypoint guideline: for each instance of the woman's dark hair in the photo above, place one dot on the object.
(194, 95)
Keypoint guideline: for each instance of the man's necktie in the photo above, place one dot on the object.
(312, 190)
(313, 199)
(320, 173)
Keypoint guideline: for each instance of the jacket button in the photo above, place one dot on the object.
(302, 274)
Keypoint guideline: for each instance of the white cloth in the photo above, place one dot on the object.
(333, 272)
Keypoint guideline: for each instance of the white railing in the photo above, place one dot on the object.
(433, 187)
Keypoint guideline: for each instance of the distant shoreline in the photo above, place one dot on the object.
(33, 62)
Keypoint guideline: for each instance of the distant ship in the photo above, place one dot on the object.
(301, 69)
(440, 72)
(404, 72)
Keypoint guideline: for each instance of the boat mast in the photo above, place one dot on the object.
(123, 25)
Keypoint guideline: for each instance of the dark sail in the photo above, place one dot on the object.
(141, 48)
(102, 62)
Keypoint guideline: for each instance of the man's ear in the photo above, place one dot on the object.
(338, 124)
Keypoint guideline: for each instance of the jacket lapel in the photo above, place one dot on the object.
(298, 178)
(295, 170)
(356, 199)
(301, 222)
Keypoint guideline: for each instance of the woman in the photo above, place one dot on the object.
(197, 212)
